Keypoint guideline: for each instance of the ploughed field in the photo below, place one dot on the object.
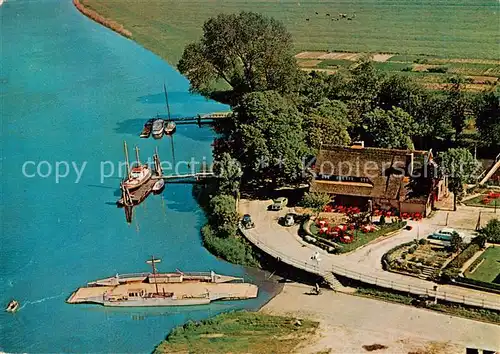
(446, 29)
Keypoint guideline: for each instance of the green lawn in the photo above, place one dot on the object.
(447, 28)
(239, 332)
(489, 270)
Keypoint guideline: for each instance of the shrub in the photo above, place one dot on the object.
(233, 249)
(412, 250)
(422, 241)
(438, 69)
(450, 273)
(382, 220)
(491, 231)
(464, 256)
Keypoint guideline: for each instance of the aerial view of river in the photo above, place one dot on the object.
(71, 92)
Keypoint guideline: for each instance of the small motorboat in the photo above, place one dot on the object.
(13, 306)
(158, 186)
(146, 131)
(170, 127)
(158, 128)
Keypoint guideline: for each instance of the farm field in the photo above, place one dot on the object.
(446, 29)
(489, 269)
(432, 71)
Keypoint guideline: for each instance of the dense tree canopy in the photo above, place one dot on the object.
(389, 129)
(228, 171)
(269, 140)
(488, 118)
(327, 124)
(249, 52)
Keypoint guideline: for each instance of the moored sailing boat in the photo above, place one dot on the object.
(137, 175)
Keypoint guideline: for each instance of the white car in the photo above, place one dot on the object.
(289, 220)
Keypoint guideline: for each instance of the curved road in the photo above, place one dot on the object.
(363, 264)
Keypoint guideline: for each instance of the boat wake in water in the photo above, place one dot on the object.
(40, 300)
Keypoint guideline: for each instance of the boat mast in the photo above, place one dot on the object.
(127, 164)
(166, 100)
(152, 262)
(158, 168)
(137, 156)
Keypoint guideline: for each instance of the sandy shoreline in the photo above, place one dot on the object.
(348, 322)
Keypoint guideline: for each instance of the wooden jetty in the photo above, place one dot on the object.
(199, 119)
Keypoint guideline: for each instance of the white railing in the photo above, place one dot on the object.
(377, 281)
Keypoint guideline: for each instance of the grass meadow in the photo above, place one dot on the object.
(444, 28)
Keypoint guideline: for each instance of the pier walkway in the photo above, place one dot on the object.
(285, 244)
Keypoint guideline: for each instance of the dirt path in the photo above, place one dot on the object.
(347, 323)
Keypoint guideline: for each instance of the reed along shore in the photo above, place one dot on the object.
(93, 15)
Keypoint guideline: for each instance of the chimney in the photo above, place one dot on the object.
(358, 144)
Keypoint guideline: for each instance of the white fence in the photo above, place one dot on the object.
(313, 267)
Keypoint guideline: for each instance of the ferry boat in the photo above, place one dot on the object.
(146, 131)
(170, 127)
(158, 128)
(163, 289)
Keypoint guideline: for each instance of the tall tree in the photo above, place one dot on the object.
(228, 172)
(363, 88)
(327, 124)
(269, 140)
(459, 166)
(400, 91)
(488, 118)
(458, 104)
(249, 52)
(434, 124)
(389, 129)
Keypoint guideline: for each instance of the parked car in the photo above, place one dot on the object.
(247, 222)
(443, 234)
(289, 219)
(279, 203)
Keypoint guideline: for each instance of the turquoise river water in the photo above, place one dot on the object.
(71, 91)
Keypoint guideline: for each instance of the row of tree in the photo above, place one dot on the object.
(284, 114)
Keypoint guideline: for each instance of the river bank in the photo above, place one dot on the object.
(94, 15)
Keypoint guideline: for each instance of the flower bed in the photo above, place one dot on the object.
(347, 237)
(485, 200)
